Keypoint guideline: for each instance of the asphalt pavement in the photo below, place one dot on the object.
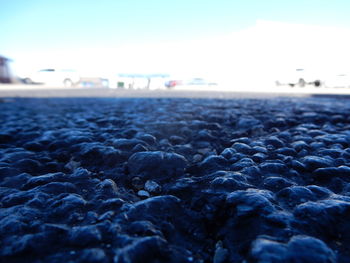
(41, 91)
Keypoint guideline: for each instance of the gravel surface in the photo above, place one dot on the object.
(175, 180)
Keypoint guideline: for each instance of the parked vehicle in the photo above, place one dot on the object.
(173, 83)
(299, 77)
(57, 77)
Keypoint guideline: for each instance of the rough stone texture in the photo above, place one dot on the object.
(175, 180)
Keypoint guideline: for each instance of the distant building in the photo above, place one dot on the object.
(5, 73)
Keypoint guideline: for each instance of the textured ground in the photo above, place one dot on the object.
(175, 180)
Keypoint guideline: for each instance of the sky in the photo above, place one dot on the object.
(154, 35)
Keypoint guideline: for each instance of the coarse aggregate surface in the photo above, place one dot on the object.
(175, 180)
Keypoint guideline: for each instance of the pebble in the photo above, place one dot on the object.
(251, 202)
(228, 153)
(85, 235)
(146, 248)
(143, 194)
(242, 148)
(273, 167)
(276, 183)
(157, 164)
(137, 183)
(274, 141)
(314, 162)
(221, 253)
(197, 158)
(247, 123)
(152, 187)
(127, 144)
(213, 163)
(296, 250)
(294, 195)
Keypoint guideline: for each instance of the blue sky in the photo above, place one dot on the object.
(34, 26)
(48, 24)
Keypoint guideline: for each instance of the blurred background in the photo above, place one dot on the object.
(205, 45)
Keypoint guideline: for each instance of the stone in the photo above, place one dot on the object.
(299, 145)
(16, 181)
(72, 165)
(326, 218)
(174, 139)
(148, 138)
(139, 148)
(95, 154)
(273, 167)
(260, 149)
(143, 228)
(309, 250)
(28, 165)
(213, 163)
(281, 219)
(247, 123)
(44, 179)
(242, 148)
(92, 255)
(67, 205)
(221, 253)
(83, 236)
(333, 153)
(287, 151)
(143, 194)
(228, 153)
(157, 164)
(154, 207)
(259, 157)
(127, 144)
(319, 191)
(251, 202)
(314, 162)
(228, 182)
(197, 158)
(145, 249)
(112, 203)
(242, 163)
(137, 183)
(275, 184)
(274, 141)
(12, 225)
(294, 195)
(152, 187)
(28, 243)
(298, 249)
(16, 198)
(266, 250)
(108, 188)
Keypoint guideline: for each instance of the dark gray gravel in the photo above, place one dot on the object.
(175, 180)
